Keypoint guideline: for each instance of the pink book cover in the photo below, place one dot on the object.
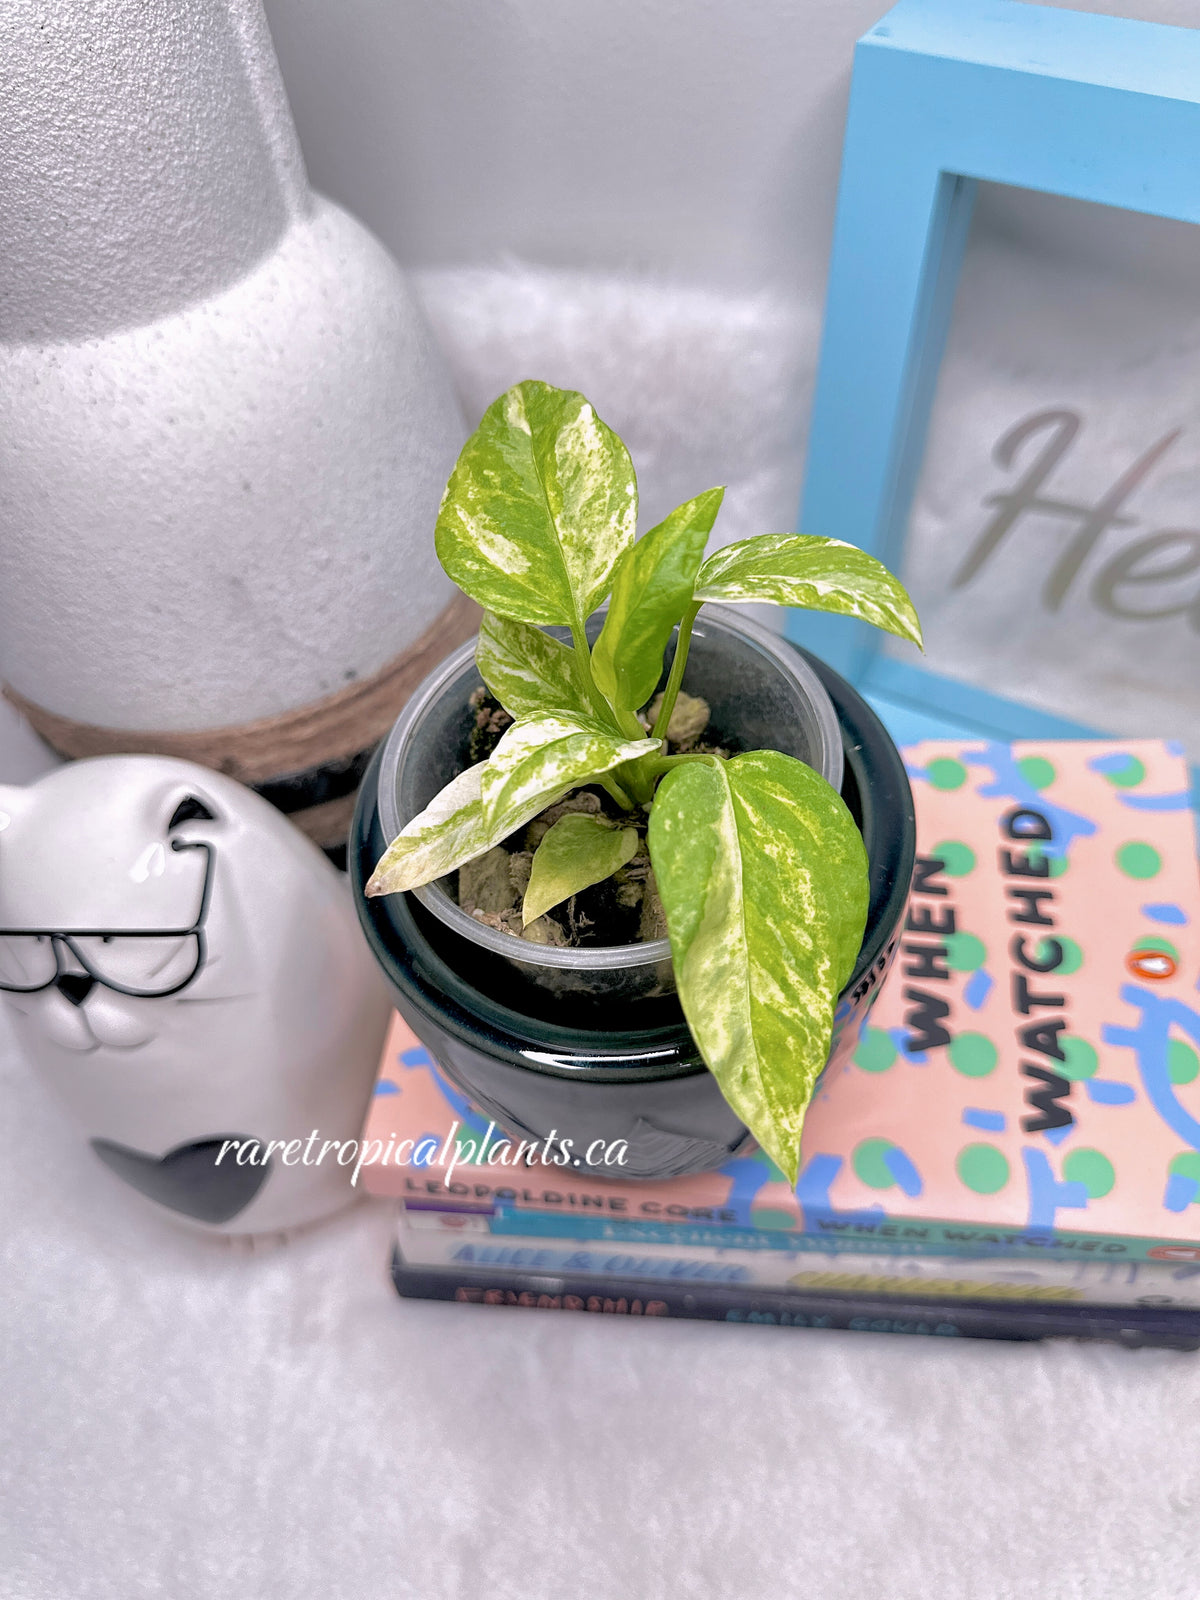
(1032, 1065)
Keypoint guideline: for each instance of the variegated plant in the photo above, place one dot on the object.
(760, 868)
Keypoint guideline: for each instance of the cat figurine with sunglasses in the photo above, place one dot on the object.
(185, 972)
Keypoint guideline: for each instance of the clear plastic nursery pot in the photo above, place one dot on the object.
(591, 1044)
(762, 694)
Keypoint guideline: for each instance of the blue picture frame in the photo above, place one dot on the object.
(946, 94)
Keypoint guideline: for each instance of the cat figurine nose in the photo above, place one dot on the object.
(75, 985)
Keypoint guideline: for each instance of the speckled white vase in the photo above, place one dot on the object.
(186, 975)
(224, 426)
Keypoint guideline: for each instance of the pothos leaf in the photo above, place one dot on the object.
(763, 877)
(539, 760)
(448, 832)
(651, 591)
(528, 670)
(539, 508)
(542, 756)
(575, 853)
(796, 569)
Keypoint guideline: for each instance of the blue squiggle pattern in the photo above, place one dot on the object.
(1180, 801)
(1010, 782)
(812, 1190)
(1060, 1134)
(1148, 1041)
(1181, 1191)
(977, 988)
(747, 1175)
(1047, 1195)
(1104, 1092)
(423, 1156)
(904, 1171)
(1162, 911)
(466, 1113)
(899, 1037)
(989, 1121)
(1115, 761)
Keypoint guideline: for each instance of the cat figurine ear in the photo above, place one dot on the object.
(186, 974)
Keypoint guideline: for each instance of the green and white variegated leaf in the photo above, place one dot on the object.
(448, 832)
(796, 569)
(544, 755)
(651, 591)
(528, 670)
(763, 877)
(576, 852)
(538, 761)
(539, 508)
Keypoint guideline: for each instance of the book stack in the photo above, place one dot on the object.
(1012, 1149)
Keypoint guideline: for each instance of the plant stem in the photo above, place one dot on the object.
(671, 692)
(626, 720)
(612, 787)
(657, 765)
(583, 658)
(637, 779)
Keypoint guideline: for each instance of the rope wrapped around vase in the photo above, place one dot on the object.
(307, 762)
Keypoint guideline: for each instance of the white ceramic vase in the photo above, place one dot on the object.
(224, 425)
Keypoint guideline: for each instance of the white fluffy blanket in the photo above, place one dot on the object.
(186, 1419)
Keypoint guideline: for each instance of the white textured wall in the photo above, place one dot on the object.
(692, 137)
(695, 138)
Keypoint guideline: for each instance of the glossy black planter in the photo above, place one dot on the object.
(551, 1067)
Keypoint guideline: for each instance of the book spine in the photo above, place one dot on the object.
(450, 1248)
(1134, 1328)
(923, 1239)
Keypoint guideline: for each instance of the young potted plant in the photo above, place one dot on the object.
(661, 893)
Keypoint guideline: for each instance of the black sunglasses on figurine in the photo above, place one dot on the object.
(144, 963)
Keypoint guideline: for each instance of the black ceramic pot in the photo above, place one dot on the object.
(543, 1064)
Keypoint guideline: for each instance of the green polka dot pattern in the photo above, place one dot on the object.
(1183, 1063)
(1128, 776)
(946, 774)
(1058, 864)
(870, 1164)
(1072, 956)
(1093, 1170)
(982, 1168)
(1138, 860)
(958, 858)
(973, 1055)
(875, 1052)
(964, 952)
(1081, 1061)
(1037, 772)
(1186, 1165)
